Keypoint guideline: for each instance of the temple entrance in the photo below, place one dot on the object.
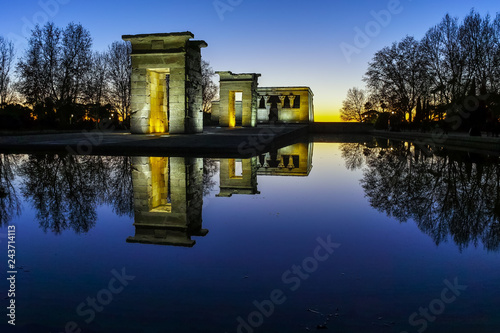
(158, 81)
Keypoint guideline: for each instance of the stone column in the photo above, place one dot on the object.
(280, 106)
(281, 162)
(292, 100)
(282, 99)
(268, 107)
(267, 158)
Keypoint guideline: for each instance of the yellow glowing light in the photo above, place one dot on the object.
(327, 117)
(159, 182)
(232, 169)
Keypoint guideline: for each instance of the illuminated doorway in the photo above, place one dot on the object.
(159, 89)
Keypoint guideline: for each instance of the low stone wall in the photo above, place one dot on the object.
(459, 141)
(340, 127)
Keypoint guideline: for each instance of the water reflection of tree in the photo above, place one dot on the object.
(210, 169)
(10, 205)
(66, 190)
(456, 194)
(120, 190)
(354, 154)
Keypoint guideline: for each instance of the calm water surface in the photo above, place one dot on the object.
(372, 236)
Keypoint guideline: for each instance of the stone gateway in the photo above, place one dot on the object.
(166, 95)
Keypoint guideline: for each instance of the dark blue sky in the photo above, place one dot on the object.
(289, 42)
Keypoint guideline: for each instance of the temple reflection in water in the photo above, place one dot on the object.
(450, 195)
(238, 176)
(294, 160)
(168, 199)
(168, 191)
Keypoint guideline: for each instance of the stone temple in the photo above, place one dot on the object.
(166, 95)
(168, 191)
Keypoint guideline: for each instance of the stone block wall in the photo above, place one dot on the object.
(230, 84)
(303, 114)
(300, 152)
(155, 56)
(244, 184)
(156, 220)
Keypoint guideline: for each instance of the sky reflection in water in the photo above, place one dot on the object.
(405, 222)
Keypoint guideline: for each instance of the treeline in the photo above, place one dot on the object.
(64, 190)
(60, 82)
(451, 75)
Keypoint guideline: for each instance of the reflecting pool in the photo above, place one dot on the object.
(350, 235)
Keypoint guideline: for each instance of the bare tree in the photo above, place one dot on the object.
(454, 60)
(6, 59)
(95, 81)
(445, 61)
(496, 60)
(399, 73)
(10, 203)
(210, 89)
(55, 64)
(119, 75)
(354, 105)
(38, 66)
(477, 37)
(75, 56)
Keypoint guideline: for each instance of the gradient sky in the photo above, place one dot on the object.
(289, 42)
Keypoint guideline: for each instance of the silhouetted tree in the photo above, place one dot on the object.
(477, 42)
(38, 67)
(119, 76)
(440, 70)
(210, 89)
(54, 66)
(445, 61)
(76, 56)
(399, 74)
(95, 91)
(6, 60)
(354, 104)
